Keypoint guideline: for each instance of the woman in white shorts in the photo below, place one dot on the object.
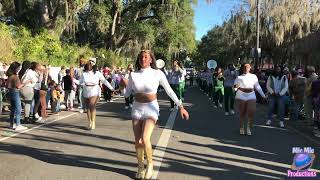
(145, 109)
(91, 91)
(245, 84)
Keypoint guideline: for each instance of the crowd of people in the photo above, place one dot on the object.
(294, 95)
(30, 86)
(31, 90)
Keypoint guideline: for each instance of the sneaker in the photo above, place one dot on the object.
(111, 100)
(81, 111)
(316, 131)
(130, 105)
(126, 107)
(39, 119)
(209, 98)
(37, 116)
(241, 131)
(281, 124)
(232, 112)
(249, 131)
(226, 114)
(20, 128)
(215, 106)
(317, 134)
(14, 126)
(220, 105)
(269, 122)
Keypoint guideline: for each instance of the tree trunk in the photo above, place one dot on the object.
(20, 5)
(44, 10)
(115, 15)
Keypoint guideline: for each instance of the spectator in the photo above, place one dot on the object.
(107, 93)
(311, 76)
(37, 68)
(56, 95)
(128, 100)
(14, 85)
(230, 75)
(315, 93)
(277, 86)
(61, 74)
(67, 87)
(27, 92)
(78, 75)
(43, 92)
(296, 90)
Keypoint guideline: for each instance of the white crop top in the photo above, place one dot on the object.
(147, 81)
(249, 81)
(91, 79)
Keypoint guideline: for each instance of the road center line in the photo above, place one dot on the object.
(163, 141)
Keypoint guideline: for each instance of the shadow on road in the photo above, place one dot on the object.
(265, 155)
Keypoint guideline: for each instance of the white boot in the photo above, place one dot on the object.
(149, 171)
(140, 156)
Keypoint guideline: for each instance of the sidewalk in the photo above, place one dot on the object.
(301, 127)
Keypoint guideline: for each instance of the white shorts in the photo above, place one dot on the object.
(143, 111)
(246, 96)
(91, 91)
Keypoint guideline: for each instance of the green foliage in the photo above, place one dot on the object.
(7, 44)
(109, 58)
(18, 44)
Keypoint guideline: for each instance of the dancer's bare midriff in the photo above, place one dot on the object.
(144, 97)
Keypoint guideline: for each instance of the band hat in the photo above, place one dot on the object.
(93, 60)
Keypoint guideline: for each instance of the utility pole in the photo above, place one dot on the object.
(258, 35)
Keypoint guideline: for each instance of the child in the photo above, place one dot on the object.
(57, 97)
(68, 87)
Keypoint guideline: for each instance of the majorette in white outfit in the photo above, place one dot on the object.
(248, 81)
(91, 83)
(91, 91)
(147, 81)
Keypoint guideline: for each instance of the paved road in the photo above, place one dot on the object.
(206, 147)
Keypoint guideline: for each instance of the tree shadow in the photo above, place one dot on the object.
(57, 157)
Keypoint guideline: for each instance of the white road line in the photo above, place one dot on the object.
(46, 123)
(36, 127)
(163, 141)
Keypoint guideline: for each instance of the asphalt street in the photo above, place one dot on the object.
(208, 146)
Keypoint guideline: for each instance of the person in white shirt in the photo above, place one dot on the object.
(277, 86)
(27, 92)
(91, 91)
(144, 82)
(245, 84)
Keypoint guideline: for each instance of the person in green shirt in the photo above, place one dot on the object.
(218, 88)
